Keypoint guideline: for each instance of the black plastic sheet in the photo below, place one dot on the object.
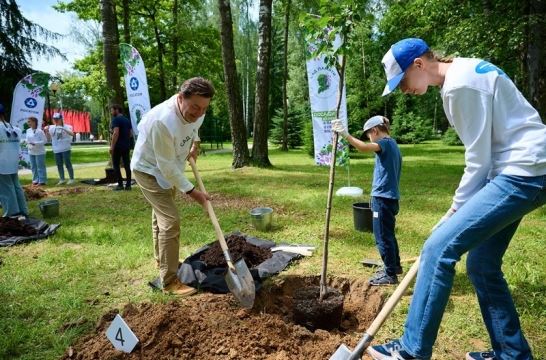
(193, 271)
(43, 231)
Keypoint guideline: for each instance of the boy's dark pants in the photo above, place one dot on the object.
(384, 220)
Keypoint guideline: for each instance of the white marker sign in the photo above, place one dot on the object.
(121, 336)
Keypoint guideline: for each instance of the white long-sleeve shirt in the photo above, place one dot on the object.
(164, 142)
(502, 133)
(61, 140)
(36, 140)
(9, 148)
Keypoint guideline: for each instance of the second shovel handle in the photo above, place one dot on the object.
(212, 215)
(394, 299)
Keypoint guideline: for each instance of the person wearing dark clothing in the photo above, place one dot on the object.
(122, 133)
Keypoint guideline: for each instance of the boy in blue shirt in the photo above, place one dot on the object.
(385, 193)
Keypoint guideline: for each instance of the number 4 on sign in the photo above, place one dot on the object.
(121, 336)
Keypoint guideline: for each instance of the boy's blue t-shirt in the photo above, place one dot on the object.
(386, 173)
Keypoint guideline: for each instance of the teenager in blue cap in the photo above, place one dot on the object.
(12, 196)
(385, 192)
(504, 179)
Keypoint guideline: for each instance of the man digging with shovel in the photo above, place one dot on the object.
(167, 137)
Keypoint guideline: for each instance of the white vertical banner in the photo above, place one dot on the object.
(28, 101)
(323, 94)
(136, 84)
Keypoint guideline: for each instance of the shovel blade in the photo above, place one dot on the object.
(241, 284)
(342, 353)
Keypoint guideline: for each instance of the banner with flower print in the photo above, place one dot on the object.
(323, 94)
(136, 84)
(29, 98)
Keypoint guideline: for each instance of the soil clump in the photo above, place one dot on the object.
(14, 227)
(238, 248)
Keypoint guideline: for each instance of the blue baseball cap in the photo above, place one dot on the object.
(397, 60)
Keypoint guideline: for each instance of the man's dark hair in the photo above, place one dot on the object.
(117, 107)
(197, 86)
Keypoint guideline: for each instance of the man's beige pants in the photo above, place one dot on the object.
(165, 225)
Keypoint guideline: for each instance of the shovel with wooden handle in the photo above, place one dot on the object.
(238, 277)
(344, 353)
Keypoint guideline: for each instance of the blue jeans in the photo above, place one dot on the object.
(12, 196)
(384, 220)
(64, 157)
(483, 227)
(37, 163)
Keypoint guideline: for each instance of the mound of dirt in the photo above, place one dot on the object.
(14, 227)
(238, 248)
(34, 193)
(208, 326)
(70, 191)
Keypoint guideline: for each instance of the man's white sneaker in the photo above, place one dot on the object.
(61, 182)
(70, 182)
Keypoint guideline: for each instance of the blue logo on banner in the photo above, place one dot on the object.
(133, 83)
(31, 103)
(485, 67)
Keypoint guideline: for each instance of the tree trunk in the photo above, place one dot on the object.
(126, 27)
(241, 155)
(285, 79)
(261, 113)
(536, 51)
(175, 45)
(160, 53)
(111, 50)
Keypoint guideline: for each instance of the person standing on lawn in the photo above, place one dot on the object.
(36, 140)
(12, 196)
(122, 133)
(61, 141)
(385, 194)
(504, 179)
(167, 138)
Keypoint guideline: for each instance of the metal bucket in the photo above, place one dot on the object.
(262, 218)
(49, 208)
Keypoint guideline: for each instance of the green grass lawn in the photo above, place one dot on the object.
(101, 257)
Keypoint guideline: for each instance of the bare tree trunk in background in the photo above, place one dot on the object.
(175, 45)
(126, 27)
(241, 155)
(535, 61)
(285, 78)
(261, 114)
(111, 50)
(160, 53)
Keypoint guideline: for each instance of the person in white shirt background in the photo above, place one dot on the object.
(167, 137)
(36, 140)
(504, 179)
(61, 141)
(12, 196)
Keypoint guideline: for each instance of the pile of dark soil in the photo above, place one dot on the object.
(14, 227)
(34, 193)
(314, 313)
(214, 327)
(238, 248)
